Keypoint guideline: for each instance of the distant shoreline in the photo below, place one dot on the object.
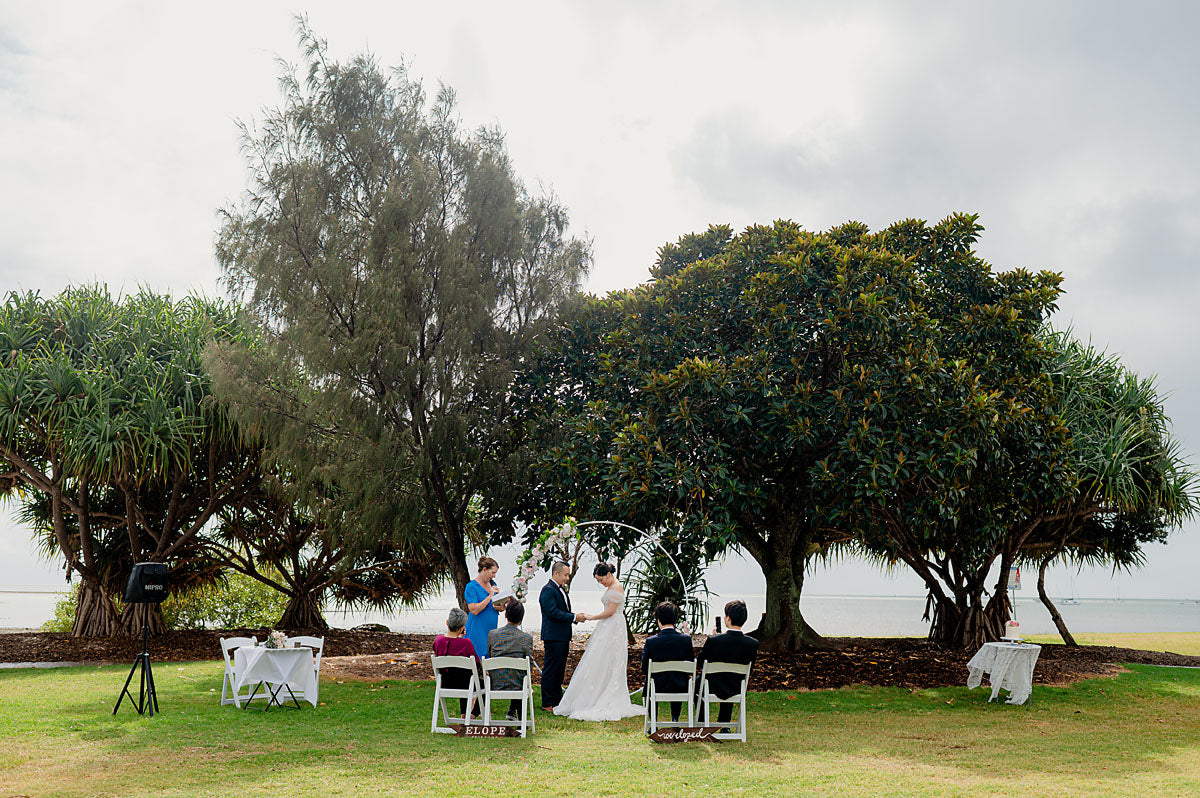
(848, 596)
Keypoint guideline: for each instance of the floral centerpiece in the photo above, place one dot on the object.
(555, 540)
(275, 639)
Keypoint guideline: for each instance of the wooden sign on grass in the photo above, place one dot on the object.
(488, 732)
(686, 734)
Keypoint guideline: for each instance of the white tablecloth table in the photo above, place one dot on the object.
(1009, 666)
(280, 669)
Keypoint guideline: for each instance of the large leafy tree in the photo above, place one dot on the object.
(707, 403)
(398, 272)
(110, 439)
(787, 392)
(965, 458)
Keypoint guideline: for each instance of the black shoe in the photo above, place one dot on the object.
(512, 716)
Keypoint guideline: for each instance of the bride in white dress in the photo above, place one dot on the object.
(599, 689)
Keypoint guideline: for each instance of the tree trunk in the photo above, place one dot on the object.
(1058, 619)
(783, 627)
(965, 622)
(95, 614)
(303, 611)
(135, 616)
(452, 543)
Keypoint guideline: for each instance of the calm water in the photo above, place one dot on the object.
(849, 616)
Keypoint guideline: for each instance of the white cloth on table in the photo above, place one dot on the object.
(1009, 666)
(290, 666)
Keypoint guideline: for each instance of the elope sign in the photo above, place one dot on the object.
(686, 734)
(490, 732)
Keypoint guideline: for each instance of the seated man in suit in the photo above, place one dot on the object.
(732, 646)
(510, 641)
(668, 645)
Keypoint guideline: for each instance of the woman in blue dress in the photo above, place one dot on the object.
(482, 617)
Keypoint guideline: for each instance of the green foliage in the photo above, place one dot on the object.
(234, 601)
(399, 272)
(63, 619)
(690, 249)
(114, 449)
(652, 578)
(788, 391)
(1132, 484)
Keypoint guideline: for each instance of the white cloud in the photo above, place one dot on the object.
(1071, 128)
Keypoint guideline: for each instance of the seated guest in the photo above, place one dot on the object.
(455, 644)
(733, 647)
(668, 645)
(510, 641)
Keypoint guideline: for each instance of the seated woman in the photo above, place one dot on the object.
(455, 644)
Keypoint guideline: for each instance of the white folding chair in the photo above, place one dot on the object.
(653, 697)
(228, 644)
(737, 729)
(317, 644)
(525, 694)
(471, 692)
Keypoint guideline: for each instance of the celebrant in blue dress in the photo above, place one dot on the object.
(482, 616)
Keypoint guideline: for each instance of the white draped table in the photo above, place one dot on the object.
(1009, 666)
(280, 669)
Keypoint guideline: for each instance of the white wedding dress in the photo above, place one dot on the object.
(599, 689)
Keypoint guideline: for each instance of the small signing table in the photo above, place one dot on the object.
(1009, 666)
(276, 669)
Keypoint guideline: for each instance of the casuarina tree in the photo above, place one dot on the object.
(397, 272)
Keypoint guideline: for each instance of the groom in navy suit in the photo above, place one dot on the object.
(557, 619)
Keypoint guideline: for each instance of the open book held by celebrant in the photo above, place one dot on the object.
(501, 598)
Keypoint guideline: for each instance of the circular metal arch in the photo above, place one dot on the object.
(652, 537)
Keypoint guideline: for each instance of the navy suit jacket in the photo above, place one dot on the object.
(734, 647)
(668, 645)
(557, 617)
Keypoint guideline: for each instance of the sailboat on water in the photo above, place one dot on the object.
(1072, 599)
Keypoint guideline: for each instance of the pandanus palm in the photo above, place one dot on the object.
(1133, 484)
(106, 417)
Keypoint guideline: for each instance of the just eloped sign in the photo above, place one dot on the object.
(686, 734)
(481, 732)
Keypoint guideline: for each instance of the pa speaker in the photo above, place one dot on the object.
(147, 583)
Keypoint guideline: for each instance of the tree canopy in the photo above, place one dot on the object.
(1132, 484)
(709, 402)
(788, 392)
(111, 440)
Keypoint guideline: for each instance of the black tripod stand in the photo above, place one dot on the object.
(147, 696)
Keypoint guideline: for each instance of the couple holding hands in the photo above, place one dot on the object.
(599, 688)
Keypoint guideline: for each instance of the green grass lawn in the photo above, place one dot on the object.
(1138, 734)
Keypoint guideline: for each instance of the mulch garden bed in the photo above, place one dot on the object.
(351, 654)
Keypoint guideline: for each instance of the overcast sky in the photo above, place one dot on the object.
(1072, 128)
